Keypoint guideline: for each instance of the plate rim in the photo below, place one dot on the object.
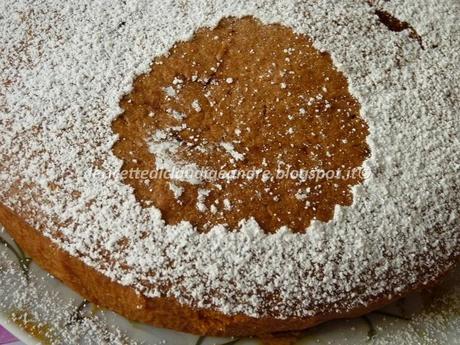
(17, 331)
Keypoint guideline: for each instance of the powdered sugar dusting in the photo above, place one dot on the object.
(230, 149)
(48, 313)
(64, 67)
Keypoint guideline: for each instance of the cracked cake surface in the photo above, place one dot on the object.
(65, 68)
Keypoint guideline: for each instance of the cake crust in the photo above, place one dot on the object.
(163, 312)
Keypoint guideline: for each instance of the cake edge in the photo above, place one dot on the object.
(167, 312)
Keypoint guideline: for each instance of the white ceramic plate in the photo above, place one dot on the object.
(37, 308)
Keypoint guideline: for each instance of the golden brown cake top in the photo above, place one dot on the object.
(244, 120)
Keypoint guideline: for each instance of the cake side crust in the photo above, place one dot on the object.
(162, 312)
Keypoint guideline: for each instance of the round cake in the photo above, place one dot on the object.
(234, 168)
